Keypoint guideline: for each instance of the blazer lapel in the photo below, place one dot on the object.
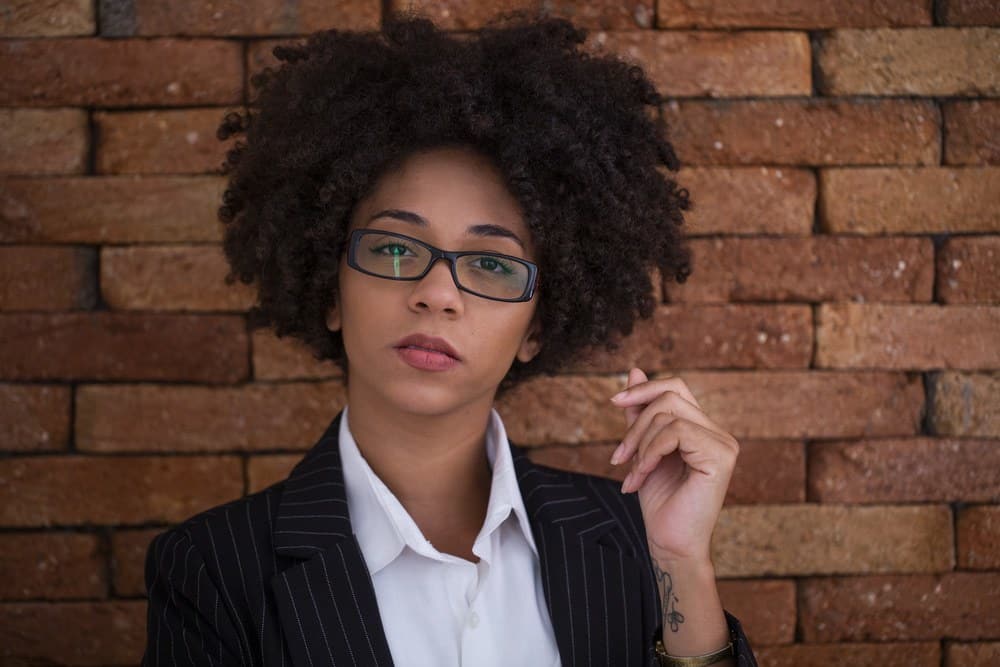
(592, 574)
(326, 600)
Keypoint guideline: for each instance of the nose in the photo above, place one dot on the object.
(437, 291)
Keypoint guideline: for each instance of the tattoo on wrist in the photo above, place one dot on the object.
(668, 600)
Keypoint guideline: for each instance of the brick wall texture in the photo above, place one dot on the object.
(844, 160)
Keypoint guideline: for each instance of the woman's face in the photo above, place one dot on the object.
(464, 205)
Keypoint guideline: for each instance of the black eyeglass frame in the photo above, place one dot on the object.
(451, 256)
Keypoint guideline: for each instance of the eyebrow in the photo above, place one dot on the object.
(477, 230)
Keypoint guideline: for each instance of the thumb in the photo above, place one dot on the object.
(635, 376)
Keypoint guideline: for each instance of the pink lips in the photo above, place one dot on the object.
(427, 352)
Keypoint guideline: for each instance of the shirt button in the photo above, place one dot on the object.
(473, 619)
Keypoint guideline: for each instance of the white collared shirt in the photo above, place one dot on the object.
(439, 610)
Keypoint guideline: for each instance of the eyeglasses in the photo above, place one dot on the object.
(491, 275)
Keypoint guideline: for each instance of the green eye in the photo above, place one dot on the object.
(493, 265)
(395, 249)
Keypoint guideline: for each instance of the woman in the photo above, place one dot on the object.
(445, 217)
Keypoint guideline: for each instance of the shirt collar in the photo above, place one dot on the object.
(381, 523)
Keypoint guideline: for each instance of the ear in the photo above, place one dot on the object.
(333, 322)
(531, 344)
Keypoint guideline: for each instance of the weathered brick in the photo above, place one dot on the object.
(144, 417)
(47, 278)
(715, 64)
(43, 141)
(768, 471)
(72, 633)
(243, 17)
(910, 201)
(720, 336)
(107, 345)
(113, 209)
(815, 269)
(810, 131)
(286, 358)
(971, 128)
(175, 277)
(34, 417)
(175, 141)
(958, 605)
(766, 609)
(968, 270)
(913, 61)
(52, 18)
(882, 335)
(918, 470)
(978, 529)
(791, 13)
(602, 14)
(972, 654)
(964, 404)
(968, 12)
(128, 560)
(891, 654)
(263, 471)
(749, 200)
(51, 566)
(816, 539)
(120, 72)
(73, 490)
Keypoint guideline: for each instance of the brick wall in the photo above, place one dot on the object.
(843, 320)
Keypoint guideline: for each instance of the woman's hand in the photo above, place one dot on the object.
(682, 462)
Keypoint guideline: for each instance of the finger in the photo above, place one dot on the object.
(635, 377)
(648, 390)
(701, 451)
(669, 403)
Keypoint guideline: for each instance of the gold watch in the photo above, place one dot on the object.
(667, 660)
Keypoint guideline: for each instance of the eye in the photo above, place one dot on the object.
(392, 249)
(492, 264)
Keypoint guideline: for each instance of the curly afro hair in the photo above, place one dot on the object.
(578, 135)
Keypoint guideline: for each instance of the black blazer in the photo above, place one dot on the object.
(278, 578)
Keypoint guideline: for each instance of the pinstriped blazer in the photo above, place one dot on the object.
(278, 578)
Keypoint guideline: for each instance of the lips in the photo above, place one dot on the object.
(431, 343)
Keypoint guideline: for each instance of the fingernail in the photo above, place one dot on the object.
(615, 458)
(619, 396)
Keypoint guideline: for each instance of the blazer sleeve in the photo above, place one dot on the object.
(186, 620)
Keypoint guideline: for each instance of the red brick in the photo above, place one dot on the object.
(34, 417)
(917, 470)
(73, 490)
(968, 12)
(120, 72)
(893, 654)
(175, 141)
(114, 209)
(968, 270)
(286, 358)
(766, 609)
(51, 566)
(809, 131)
(128, 560)
(715, 64)
(73, 633)
(47, 278)
(879, 335)
(714, 336)
(52, 18)
(971, 128)
(914, 61)
(245, 17)
(791, 13)
(958, 605)
(815, 269)
(263, 471)
(978, 654)
(965, 404)
(124, 346)
(978, 542)
(910, 201)
(749, 200)
(602, 14)
(43, 141)
(144, 417)
(817, 539)
(175, 277)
